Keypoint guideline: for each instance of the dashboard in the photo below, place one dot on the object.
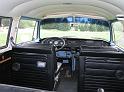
(67, 47)
(73, 42)
(64, 54)
(53, 41)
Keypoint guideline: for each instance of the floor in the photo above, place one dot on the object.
(11, 88)
(67, 85)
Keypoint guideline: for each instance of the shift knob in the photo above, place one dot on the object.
(100, 90)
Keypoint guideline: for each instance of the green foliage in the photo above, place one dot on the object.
(99, 28)
(92, 27)
(63, 26)
(76, 28)
(58, 26)
(49, 26)
(4, 22)
(83, 27)
(26, 24)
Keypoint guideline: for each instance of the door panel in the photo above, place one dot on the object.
(5, 67)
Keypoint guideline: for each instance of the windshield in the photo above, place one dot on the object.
(78, 27)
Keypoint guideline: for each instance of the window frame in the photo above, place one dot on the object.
(9, 30)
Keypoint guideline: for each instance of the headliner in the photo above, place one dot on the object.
(43, 8)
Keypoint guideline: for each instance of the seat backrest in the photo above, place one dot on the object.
(101, 70)
(34, 66)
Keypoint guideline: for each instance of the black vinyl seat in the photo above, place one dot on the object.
(35, 66)
(101, 70)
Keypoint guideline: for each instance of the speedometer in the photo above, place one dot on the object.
(56, 42)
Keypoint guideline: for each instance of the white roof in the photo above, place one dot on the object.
(42, 8)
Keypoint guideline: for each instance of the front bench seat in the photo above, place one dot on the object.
(34, 65)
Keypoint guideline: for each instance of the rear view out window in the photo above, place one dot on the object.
(4, 30)
(25, 30)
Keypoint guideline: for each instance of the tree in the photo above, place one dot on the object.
(5, 22)
(26, 24)
(58, 26)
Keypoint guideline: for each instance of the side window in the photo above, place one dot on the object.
(4, 31)
(118, 29)
(25, 30)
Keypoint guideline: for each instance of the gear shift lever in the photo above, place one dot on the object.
(100, 90)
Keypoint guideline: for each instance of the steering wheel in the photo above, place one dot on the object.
(58, 42)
